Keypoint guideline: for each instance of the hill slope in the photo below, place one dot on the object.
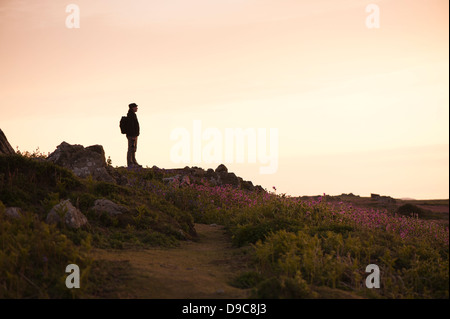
(274, 246)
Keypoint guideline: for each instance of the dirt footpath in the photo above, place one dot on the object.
(200, 269)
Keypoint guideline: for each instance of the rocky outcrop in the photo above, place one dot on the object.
(5, 147)
(66, 213)
(83, 162)
(382, 199)
(218, 177)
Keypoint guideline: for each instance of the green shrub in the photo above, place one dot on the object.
(109, 190)
(284, 288)
(411, 210)
(82, 200)
(33, 259)
(251, 233)
(26, 182)
(409, 270)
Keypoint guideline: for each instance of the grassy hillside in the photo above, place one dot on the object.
(299, 247)
(28, 245)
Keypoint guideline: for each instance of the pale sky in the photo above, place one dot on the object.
(357, 109)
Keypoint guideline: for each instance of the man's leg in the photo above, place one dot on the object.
(131, 151)
(134, 154)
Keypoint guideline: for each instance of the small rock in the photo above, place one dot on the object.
(13, 212)
(67, 213)
(109, 207)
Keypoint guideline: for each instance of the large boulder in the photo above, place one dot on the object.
(221, 169)
(66, 213)
(83, 162)
(5, 147)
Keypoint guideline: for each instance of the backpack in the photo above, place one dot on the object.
(124, 126)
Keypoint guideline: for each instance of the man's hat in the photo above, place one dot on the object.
(132, 105)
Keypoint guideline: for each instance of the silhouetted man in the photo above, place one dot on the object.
(132, 135)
